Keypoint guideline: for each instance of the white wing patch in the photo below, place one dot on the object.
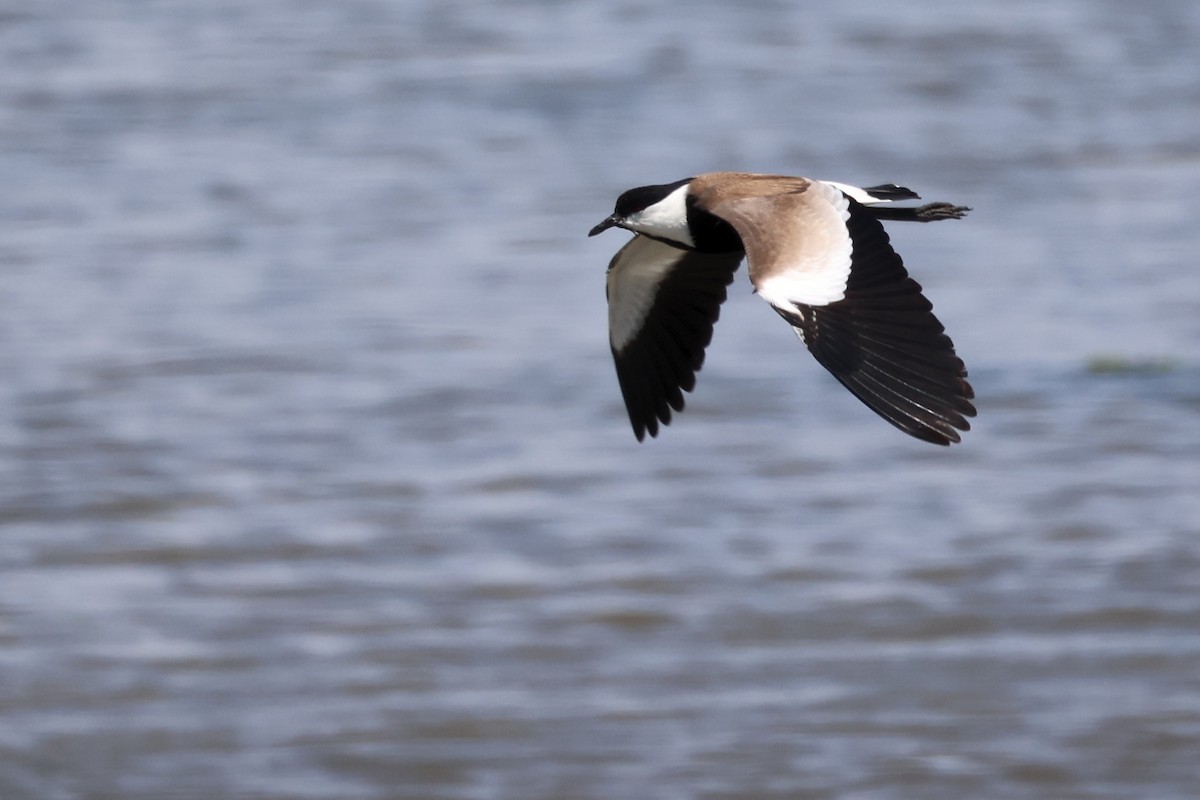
(633, 280)
(856, 193)
(817, 269)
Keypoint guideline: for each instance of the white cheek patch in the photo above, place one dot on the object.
(638, 270)
(666, 219)
(816, 269)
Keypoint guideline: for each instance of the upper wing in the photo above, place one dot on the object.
(662, 303)
(884, 344)
(835, 277)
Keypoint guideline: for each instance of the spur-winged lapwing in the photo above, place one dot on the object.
(818, 254)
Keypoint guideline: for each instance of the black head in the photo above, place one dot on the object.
(635, 200)
(643, 197)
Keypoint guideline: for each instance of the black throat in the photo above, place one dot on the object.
(711, 233)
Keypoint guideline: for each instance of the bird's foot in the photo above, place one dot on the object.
(932, 212)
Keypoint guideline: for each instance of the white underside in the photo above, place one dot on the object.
(818, 269)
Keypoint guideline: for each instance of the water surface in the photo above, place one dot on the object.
(314, 476)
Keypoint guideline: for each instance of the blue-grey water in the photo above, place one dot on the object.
(315, 480)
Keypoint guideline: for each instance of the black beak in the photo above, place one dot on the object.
(604, 225)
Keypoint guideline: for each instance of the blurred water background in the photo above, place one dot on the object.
(314, 476)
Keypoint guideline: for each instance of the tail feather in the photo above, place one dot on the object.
(890, 191)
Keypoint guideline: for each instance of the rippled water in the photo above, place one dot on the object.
(314, 476)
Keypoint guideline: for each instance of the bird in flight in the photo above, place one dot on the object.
(818, 253)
